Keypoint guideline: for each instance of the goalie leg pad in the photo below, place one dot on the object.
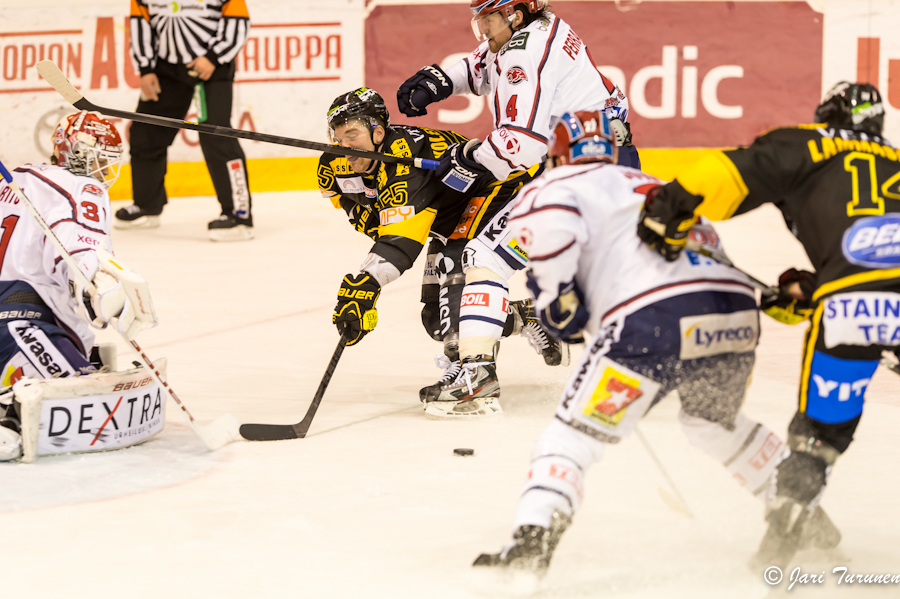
(750, 452)
(41, 349)
(555, 480)
(93, 412)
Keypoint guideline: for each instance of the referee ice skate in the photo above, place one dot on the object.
(177, 46)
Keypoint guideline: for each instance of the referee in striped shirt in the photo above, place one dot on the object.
(175, 45)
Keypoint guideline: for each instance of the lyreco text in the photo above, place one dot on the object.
(711, 334)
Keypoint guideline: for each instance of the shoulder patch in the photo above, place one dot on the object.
(516, 75)
(93, 189)
(517, 42)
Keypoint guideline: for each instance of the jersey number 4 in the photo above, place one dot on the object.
(511, 110)
(8, 224)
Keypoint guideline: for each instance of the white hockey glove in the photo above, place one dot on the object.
(622, 131)
(120, 294)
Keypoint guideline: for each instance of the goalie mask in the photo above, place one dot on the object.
(856, 106)
(582, 137)
(87, 144)
(363, 104)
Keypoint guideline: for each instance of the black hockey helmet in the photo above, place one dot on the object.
(364, 104)
(856, 106)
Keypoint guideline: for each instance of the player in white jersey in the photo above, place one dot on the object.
(689, 326)
(532, 68)
(44, 314)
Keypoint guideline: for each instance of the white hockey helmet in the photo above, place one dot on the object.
(87, 144)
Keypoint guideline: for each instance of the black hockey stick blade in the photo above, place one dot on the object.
(51, 73)
(281, 432)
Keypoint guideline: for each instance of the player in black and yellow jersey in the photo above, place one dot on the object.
(837, 184)
(400, 207)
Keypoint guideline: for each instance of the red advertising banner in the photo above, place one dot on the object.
(697, 74)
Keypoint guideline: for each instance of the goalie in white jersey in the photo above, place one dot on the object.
(44, 314)
(690, 326)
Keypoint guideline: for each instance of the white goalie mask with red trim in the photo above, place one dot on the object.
(87, 144)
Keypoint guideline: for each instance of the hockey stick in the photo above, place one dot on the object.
(888, 360)
(214, 435)
(676, 502)
(49, 71)
(281, 432)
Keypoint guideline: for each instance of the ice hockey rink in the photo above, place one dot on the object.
(373, 503)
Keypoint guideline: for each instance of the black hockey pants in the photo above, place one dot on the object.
(149, 143)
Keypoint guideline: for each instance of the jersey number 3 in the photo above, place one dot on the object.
(8, 224)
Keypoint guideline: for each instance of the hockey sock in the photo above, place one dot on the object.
(749, 453)
(556, 477)
(482, 314)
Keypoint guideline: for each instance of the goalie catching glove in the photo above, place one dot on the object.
(355, 314)
(117, 293)
(785, 306)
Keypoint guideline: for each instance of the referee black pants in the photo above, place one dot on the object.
(224, 156)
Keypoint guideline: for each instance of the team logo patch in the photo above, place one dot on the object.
(712, 334)
(610, 400)
(93, 189)
(873, 242)
(516, 75)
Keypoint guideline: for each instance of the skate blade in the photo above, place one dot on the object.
(565, 353)
(481, 406)
(144, 222)
(238, 233)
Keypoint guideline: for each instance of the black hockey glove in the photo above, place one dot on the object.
(666, 218)
(365, 221)
(458, 168)
(564, 318)
(428, 85)
(355, 314)
(786, 308)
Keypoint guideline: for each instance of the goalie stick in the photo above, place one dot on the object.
(214, 435)
(281, 432)
(888, 360)
(51, 73)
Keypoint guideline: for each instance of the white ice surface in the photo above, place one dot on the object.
(374, 503)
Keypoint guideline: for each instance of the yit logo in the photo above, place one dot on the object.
(824, 388)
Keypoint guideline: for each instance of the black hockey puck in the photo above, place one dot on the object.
(463, 451)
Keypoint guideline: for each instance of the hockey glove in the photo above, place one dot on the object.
(427, 86)
(666, 218)
(355, 314)
(121, 294)
(566, 316)
(622, 131)
(458, 168)
(785, 306)
(364, 220)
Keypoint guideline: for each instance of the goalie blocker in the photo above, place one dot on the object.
(93, 412)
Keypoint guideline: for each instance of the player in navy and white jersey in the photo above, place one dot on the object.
(44, 315)
(689, 326)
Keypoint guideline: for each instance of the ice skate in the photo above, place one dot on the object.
(229, 227)
(819, 532)
(10, 433)
(555, 353)
(133, 217)
(450, 368)
(783, 538)
(531, 550)
(473, 391)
